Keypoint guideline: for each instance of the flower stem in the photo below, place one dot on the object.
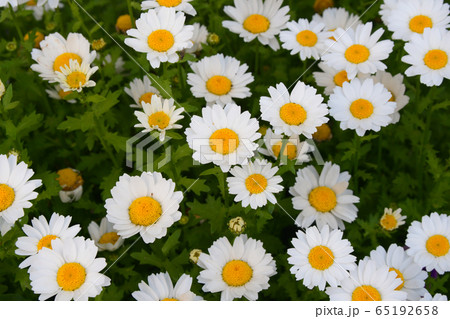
(19, 32)
(130, 12)
(106, 147)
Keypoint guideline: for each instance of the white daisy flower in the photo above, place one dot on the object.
(199, 36)
(257, 19)
(410, 17)
(386, 9)
(141, 91)
(255, 183)
(361, 106)
(57, 93)
(69, 270)
(293, 150)
(334, 18)
(224, 136)
(219, 79)
(71, 183)
(368, 282)
(105, 236)
(118, 64)
(429, 242)
(160, 115)
(160, 34)
(16, 190)
(411, 274)
(6, 3)
(392, 219)
(40, 6)
(241, 269)
(323, 198)
(75, 77)
(178, 5)
(146, 204)
(304, 37)
(436, 297)
(42, 233)
(53, 4)
(56, 53)
(429, 56)
(321, 257)
(329, 78)
(160, 288)
(357, 50)
(300, 112)
(395, 86)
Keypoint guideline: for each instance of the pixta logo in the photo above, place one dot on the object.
(142, 148)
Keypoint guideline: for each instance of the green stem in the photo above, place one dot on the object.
(130, 12)
(13, 14)
(180, 76)
(106, 147)
(225, 194)
(257, 58)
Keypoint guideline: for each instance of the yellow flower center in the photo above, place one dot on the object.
(224, 141)
(399, 275)
(366, 293)
(39, 36)
(256, 183)
(218, 85)
(7, 196)
(123, 23)
(109, 238)
(160, 40)
(340, 78)
(237, 273)
(159, 119)
(321, 257)
(31, 3)
(438, 245)
(419, 23)
(76, 79)
(69, 179)
(435, 59)
(290, 150)
(392, 99)
(63, 94)
(307, 38)
(320, 5)
(293, 114)
(64, 59)
(146, 97)
(144, 211)
(323, 199)
(361, 108)
(323, 133)
(170, 299)
(168, 3)
(388, 222)
(256, 23)
(357, 53)
(46, 241)
(71, 276)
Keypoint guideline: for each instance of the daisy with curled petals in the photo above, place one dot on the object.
(436, 297)
(141, 91)
(160, 115)
(321, 257)
(56, 53)
(105, 236)
(300, 112)
(429, 56)
(16, 190)
(160, 288)
(395, 86)
(368, 282)
(69, 270)
(329, 78)
(357, 50)
(304, 37)
(178, 5)
(199, 37)
(334, 18)
(42, 233)
(146, 204)
(257, 19)
(429, 242)
(160, 34)
(410, 17)
(293, 150)
(411, 274)
(323, 198)
(362, 106)
(225, 136)
(239, 270)
(219, 79)
(392, 219)
(255, 183)
(75, 77)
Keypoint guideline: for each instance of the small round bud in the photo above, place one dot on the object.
(50, 26)
(123, 23)
(194, 255)
(184, 220)
(213, 39)
(98, 44)
(237, 225)
(11, 46)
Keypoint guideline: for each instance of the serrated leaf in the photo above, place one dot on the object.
(171, 242)
(147, 259)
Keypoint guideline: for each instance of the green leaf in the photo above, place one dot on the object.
(171, 242)
(147, 259)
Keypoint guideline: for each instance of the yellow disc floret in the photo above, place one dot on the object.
(293, 114)
(71, 276)
(169, 299)
(169, 3)
(307, 38)
(361, 109)
(224, 141)
(419, 23)
(218, 85)
(144, 211)
(7, 196)
(290, 150)
(256, 23)
(256, 183)
(159, 119)
(146, 97)
(323, 199)
(323, 133)
(321, 257)
(366, 293)
(123, 23)
(63, 60)
(46, 241)
(399, 275)
(109, 238)
(160, 40)
(38, 37)
(388, 222)
(69, 179)
(237, 273)
(76, 79)
(435, 59)
(357, 53)
(438, 245)
(340, 78)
